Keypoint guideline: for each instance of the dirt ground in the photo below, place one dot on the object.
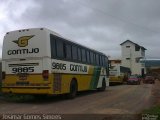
(121, 99)
(156, 93)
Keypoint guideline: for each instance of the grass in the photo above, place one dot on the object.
(152, 113)
(153, 110)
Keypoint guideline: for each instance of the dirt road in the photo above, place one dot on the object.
(122, 99)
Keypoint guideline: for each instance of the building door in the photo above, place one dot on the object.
(142, 72)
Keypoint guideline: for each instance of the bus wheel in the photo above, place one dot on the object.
(103, 85)
(73, 89)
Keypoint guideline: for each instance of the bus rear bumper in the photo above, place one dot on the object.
(24, 90)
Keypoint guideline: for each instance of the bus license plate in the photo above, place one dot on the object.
(22, 76)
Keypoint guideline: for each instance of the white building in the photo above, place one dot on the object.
(115, 62)
(131, 55)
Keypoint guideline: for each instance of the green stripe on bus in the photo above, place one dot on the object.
(95, 78)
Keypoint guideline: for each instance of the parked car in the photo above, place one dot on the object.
(133, 79)
(149, 79)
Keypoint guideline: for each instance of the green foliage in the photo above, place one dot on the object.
(152, 113)
(153, 110)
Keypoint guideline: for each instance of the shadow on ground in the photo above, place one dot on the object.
(40, 99)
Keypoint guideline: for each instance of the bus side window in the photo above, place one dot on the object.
(106, 61)
(79, 55)
(59, 48)
(88, 57)
(91, 57)
(68, 51)
(94, 58)
(74, 53)
(53, 46)
(103, 61)
(97, 59)
(83, 55)
(100, 60)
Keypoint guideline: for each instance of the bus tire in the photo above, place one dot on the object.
(73, 89)
(103, 85)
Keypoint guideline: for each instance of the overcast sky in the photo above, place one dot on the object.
(98, 24)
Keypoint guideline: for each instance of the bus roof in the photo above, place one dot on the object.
(74, 41)
(56, 34)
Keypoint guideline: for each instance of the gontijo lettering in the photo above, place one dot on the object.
(23, 42)
(78, 68)
(23, 51)
(72, 67)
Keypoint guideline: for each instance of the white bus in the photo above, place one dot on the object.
(40, 61)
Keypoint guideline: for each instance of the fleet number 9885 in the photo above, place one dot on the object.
(22, 69)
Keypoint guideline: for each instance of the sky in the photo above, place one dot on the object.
(99, 24)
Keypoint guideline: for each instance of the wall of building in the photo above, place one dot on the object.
(130, 57)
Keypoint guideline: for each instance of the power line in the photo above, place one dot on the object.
(115, 17)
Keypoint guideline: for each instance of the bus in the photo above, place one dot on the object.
(118, 74)
(39, 61)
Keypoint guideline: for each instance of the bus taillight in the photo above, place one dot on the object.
(45, 74)
(3, 75)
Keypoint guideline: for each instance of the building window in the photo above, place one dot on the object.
(142, 52)
(127, 46)
(137, 60)
(127, 58)
(137, 47)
